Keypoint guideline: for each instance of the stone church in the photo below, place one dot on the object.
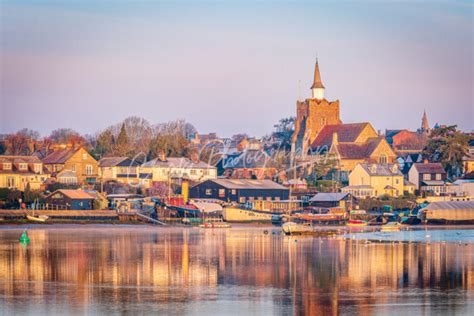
(318, 129)
(313, 114)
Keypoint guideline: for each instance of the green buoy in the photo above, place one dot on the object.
(24, 239)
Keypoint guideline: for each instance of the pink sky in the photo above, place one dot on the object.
(231, 68)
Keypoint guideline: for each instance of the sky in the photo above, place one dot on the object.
(233, 67)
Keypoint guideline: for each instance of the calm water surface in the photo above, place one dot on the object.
(238, 271)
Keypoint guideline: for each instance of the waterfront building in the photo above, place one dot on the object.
(120, 169)
(16, 172)
(373, 180)
(70, 200)
(343, 200)
(76, 160)
(239, 190)
(428, 177)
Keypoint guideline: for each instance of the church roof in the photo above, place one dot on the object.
(317, 83)
(358, 151)
(346, 133)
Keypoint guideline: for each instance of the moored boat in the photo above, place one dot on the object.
(356, 223)
(292, 228)
(239, 214)
(41, 218)
(391, 227)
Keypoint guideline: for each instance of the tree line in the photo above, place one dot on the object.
(133, 137)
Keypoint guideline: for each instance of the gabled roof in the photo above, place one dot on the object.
(248, 184)
(329, 197)
(346, 133)
(387, 170)
(59, 156)
(451, 205)
(431, 167)
(358, 151)
(117, 162)
(73, 194)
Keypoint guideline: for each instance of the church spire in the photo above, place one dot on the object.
(424, 122)
(317, 88)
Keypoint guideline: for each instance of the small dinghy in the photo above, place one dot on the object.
(41, 218)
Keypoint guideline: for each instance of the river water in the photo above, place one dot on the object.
(114, 269)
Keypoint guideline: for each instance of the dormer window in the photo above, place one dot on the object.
(7, 166)
(23, 166)
(37, 167)
(394, 169)
(373, 168)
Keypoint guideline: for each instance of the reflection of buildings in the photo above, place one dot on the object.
(109, 268)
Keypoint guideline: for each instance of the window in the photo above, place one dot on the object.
(383, 159)
(37, 167)
(208, 191)
(193, 172)
(426, 176)
(397, 181)
(84, 156)
(438, 176)
(23, 166)
(89, 170)
(206, 172)
(7, 166)
(234, 191)
(324, 120)
(221, 192)
(73, 168)
(10, 182)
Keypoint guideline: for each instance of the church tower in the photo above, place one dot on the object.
(425, 127)
(313, 114)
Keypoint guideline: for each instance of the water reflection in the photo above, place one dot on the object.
(236, 271)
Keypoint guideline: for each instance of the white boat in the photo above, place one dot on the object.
(391, 227)
(238, 214)
(292, 228)
(41, 218)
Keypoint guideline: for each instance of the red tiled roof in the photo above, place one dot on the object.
(432, 167)
(74, 194)
(346, 133)
(358, 151)
(59, 156)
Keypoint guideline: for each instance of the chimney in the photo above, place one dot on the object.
(162, 156)
(335, 139)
